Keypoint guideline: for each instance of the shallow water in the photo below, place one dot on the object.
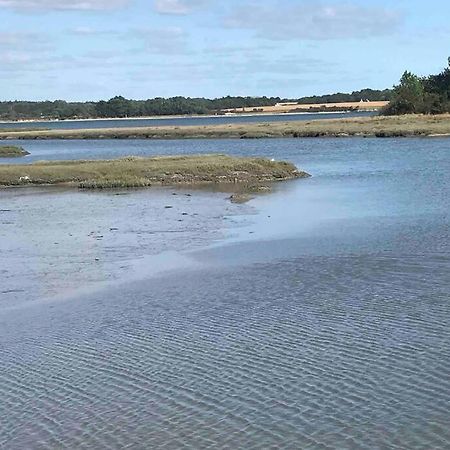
(317, 316)
(57, 242)
(179, 121)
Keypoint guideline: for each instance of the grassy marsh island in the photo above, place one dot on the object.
(11, 151)
(142, 172)
(380, 126)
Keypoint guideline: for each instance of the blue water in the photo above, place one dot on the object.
(180, 121)
(321, 321)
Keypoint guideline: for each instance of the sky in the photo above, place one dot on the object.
(80, 50)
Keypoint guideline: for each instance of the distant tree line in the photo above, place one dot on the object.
(120, 107)
(372, 95)
(421, 95)
(59, 109)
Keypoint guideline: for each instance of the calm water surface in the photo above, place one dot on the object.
(317, 316)
(179, 121)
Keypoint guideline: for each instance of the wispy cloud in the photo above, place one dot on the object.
(89, 32)
(168, 40)
(63, 5)
(24, 40)
(314, 20)
(178, 7)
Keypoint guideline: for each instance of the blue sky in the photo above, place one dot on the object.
(94, 49)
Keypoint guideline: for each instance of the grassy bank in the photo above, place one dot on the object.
(410, 125)
(11, 151)
(13, 129)
(141, 172)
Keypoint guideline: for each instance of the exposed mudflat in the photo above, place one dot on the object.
(58, 241)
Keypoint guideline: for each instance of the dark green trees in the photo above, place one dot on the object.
(414, 95)
(372, 95)
(121, 107)
(115, 107)
(408, 96)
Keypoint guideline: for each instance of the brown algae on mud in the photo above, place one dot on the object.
(131, 172)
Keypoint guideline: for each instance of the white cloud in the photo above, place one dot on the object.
(88, 32)
(314, 20)
(62, 5)
(178, 7)
(83, 31)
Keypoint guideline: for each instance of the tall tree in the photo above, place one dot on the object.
(408, 96)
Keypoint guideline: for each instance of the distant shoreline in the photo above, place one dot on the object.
(379, 126)
(189, 116)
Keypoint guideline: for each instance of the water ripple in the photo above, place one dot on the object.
(271, 362)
